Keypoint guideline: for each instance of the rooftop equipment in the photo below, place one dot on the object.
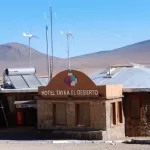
(19, 71)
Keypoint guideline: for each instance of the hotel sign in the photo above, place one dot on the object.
(69, 83)
(69, 92)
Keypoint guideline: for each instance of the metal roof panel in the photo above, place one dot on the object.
(44, 80)
(131, 77)
(32, 80)
(18, 82)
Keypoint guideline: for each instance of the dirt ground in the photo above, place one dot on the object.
(39, 145)
(28, 140)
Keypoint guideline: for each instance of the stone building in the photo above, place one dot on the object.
(73, 105)
(136, 90)
(109, 104)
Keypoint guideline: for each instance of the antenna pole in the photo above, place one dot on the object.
(68, 52)
(48, 60)
(51, 62)
(30, 51)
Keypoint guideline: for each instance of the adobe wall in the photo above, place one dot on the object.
(45, 115)
(140, 126)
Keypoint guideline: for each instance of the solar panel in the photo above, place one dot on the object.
(32, 80)
(18, 82)
(44, 80)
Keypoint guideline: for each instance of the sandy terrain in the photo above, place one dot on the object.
(39, 145)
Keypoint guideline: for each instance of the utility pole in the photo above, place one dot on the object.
(68, 51)
(30, 37)
(51, 62)
(30, 51)
(48, 60)
(2, 107)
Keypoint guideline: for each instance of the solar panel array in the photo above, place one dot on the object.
(27, 81)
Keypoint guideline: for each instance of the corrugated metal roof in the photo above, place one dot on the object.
(130, 77)
(23, 90)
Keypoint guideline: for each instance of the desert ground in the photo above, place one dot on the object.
(35, 141)
(47, 145)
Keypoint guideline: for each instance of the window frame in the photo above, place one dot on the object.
(120, 112)
(113, 113)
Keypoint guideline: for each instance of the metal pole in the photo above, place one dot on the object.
(30, 51)
(51, 64)
(68, 52)
(48, 60)
(4, 113)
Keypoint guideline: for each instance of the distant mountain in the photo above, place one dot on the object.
(18, 52)
(17, 55)
(135, 53)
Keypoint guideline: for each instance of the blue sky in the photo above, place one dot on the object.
(96, 25)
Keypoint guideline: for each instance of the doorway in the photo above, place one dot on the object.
(26, 117)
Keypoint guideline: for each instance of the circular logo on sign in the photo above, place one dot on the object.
(70, 80)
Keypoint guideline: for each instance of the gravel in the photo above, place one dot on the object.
(69, 145)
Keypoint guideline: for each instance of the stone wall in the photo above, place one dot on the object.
(97, 115)
(141, 125)
(71, 120)
(113, 131)
(99, 119)
(44, 114)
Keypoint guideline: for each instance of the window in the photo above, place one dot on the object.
(82, 114)
(134, 108)
(113, 114)
(120, 119)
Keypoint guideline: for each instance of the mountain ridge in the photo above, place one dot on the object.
(17, 55)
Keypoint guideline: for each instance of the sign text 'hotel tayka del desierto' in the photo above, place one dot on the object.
(69, 83)
(69, 92)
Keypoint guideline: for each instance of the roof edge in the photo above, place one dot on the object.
(30, 90)
(129, 90)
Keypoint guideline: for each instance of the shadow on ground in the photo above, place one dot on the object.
(133, 141)
(33, 134)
